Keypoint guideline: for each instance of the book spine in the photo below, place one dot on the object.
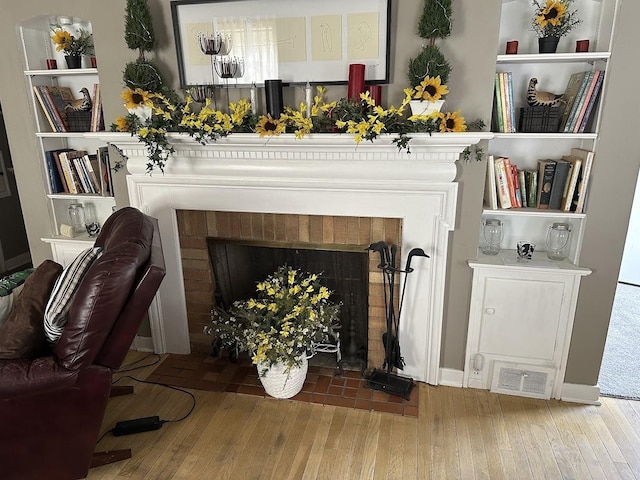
(523, 188)
(510, 185)
(56, 156)
(592, 101)
(571, 121)
(545, 183)
(55, 185)
(501, 182)
(512, 109)
(490, 189)
(46, 109)
(77, 164)
(585, 102)
(60, 123)
(584, 183)
(498, 104)
(532, 188)
(574, 174)
(503, 97)
(66, 168)
(93, 180)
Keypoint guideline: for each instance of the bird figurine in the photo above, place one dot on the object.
(81, 104)
(536, 98)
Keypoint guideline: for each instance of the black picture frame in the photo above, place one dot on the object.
(297, 42)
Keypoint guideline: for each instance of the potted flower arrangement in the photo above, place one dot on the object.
(429, 71)
(552, 21)
(280, 328)
(73, 46)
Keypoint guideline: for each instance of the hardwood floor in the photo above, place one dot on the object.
(459, 433)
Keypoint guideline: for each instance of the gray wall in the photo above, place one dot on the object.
(471, 49)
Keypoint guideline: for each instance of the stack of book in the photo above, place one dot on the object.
(54, 99)
(77, 172)
(581, 94)
(504, 112)
(555, 185)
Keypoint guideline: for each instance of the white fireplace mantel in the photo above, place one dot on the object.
(322, 174)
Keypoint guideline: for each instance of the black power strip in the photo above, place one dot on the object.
(138, 425)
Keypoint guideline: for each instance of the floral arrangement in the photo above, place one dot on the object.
(364, 119)
(554, 19)
(291, 314)
(72, 45)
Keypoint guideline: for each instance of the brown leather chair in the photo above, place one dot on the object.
(51, 408)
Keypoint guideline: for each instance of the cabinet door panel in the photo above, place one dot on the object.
(520, 318)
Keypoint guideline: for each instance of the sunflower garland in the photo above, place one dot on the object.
(554, 19)
(362, 118)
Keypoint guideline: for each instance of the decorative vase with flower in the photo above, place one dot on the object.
(552, 21)
(280, 328)
(427, 97)
(74, 46)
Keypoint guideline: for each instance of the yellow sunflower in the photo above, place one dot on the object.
(430, 89)
(62, 39)
(452, 122)
(551, 14)
(136, 98)
(269, 126)
(121, 124)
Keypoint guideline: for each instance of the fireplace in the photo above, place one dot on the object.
(199, 229)
(321, 175)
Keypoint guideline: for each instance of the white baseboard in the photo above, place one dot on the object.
(450, 377)
(142, 344)
(577, 393)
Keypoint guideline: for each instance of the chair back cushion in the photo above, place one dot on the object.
(126, 240)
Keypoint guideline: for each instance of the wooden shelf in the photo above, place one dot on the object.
(61, 72)
(549, 135)
(554, 57)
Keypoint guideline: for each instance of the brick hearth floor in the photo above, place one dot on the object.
(203, 372)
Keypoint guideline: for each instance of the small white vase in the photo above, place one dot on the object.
(142, 112)
(280, 383)
(424, 107)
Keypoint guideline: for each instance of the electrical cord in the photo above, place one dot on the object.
(129, 367)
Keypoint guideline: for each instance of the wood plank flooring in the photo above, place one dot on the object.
(459, 434)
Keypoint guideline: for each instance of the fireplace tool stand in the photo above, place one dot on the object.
(353, 355)
(384, 380)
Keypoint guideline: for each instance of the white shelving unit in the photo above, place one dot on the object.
(511, 298)
(37, 48)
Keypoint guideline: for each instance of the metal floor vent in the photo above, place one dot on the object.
(522, 380)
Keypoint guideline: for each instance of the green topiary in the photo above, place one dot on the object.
(435, 21)
(138, 28)
(429, 62)
(143, 74)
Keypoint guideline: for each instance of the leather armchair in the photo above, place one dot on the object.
(51, 408)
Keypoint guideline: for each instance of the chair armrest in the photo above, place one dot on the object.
(28, 376)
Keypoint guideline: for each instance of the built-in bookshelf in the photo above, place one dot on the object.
(75, 166)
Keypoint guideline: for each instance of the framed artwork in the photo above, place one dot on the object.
(245, 42)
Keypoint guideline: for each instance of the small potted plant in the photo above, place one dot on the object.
(73, 46)
(552, 21)
(429, 71)
(280, 328)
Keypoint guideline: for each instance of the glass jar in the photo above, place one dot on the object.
(493, 235)
(558, 237)
(77, 216)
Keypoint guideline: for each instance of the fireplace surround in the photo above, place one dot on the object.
(322, 174)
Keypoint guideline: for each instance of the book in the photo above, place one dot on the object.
(516, 185)
(592, 101)
(577, 104)
(503, 99)
(97, 119)
(512, 108)
(531, 177)
(569, 96)
(91, 174)
(560, 176)
(46, 108)
(71, 174)
(490, 193)
(55, 181)
(59, 97)
(510, 184)
(497, 104)
(56, 156)
(587, 157)
(106, 179)
(585, 102)
(546, 170)
(574, 172)
(82, 175)
(522, 182)
(501, 182)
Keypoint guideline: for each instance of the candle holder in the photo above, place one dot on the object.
(273, 94)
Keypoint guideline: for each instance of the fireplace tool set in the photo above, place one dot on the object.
(384, 379)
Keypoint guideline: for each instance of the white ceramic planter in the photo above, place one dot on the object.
(280, 383)
(424, 107)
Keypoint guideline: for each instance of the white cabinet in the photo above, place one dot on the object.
(520, 320)
(37, 48)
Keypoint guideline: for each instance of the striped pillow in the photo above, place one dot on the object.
(55, 314)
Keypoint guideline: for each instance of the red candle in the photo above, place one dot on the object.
(356, 81)
(375, 92)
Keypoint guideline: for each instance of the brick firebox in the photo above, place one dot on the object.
(195, 226)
